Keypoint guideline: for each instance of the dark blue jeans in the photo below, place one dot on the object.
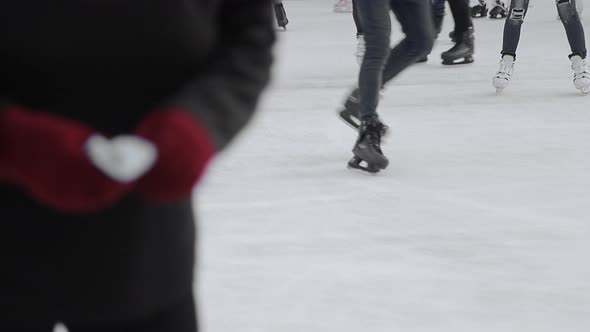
(381, 64)
(438, 7)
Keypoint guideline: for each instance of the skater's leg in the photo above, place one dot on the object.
(461, 15)
(512, 26)
(179, 317)
(374, 15)
(357, 19)
(415, 17)
(573, 27)
(438, 13)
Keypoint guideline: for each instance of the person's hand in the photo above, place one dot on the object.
(184, 149)
(65, 165)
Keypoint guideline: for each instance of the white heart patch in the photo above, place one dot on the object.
(123, 158)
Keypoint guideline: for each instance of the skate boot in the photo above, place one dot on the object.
(368, 156)
(281, 15)
(463, 50)
(452, 36)
(479, 10)
(500, 9)
(502, 77)
(352, 108)
(360, 48)
(351, 114)
(581, 73)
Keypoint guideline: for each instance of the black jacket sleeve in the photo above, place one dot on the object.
(225, 97)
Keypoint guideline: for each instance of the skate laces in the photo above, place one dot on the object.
(372, 132)
(506, 68)
(580, 68)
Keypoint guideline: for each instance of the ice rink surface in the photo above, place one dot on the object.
(481, 223)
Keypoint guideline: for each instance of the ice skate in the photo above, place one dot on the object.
(463, 50)
(502, 77)
(499, 10)
(281, 15)
(350, 114)
(368, 156)
(479, 10)
(581, 73)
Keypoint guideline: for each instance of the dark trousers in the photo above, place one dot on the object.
(461, 15)
(438, 7)
(381, 63)
(179, 317)
(569, 17)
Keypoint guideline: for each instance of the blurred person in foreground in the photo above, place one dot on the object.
(110, 111)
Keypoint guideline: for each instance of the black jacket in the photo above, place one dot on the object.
(106, 63)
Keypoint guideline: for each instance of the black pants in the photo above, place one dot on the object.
(179, 317)
(380, 63)
(461, 15)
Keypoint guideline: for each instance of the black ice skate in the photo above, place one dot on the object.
(351, 112)
(281, 15)
(499, 10)
(463, 50)
(479, 10)
(367, 150)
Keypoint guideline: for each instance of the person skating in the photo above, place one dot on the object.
(568, 14)
(109, 114)
(380, 65)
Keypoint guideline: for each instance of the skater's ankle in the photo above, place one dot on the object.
(508, 56)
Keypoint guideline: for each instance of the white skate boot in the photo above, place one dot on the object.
(581, 74)
(502, 77)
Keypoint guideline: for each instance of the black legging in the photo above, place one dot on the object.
(461, 15)
(179, 317)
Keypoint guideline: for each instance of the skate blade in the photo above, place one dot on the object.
(499, 91)
(461, 61)
(350, 120)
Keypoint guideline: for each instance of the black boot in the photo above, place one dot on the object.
(281, 15)
(367, 152)
(351, 114)
(479, 10)
(462, 51)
